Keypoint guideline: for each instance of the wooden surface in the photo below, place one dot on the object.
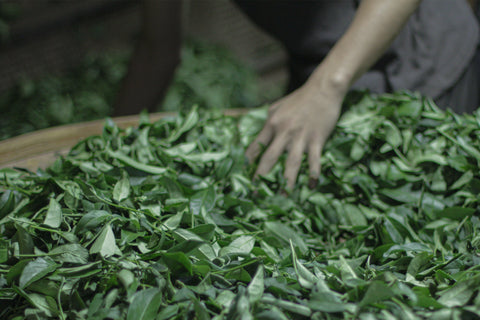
(39, 149)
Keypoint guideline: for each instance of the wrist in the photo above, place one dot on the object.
(336, 82)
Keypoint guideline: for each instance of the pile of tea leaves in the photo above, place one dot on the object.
(163, 221)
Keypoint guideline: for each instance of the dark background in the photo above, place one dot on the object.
(44, 36)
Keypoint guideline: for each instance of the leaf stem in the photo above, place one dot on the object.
(256, 259)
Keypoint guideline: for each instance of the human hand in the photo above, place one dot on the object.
(299, 122)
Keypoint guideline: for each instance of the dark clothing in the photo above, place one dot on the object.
(433, 54)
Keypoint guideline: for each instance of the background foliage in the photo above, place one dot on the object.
(209, 76)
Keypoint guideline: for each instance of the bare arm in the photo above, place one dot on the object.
(154, 60)
(375, 26)
(303, 120)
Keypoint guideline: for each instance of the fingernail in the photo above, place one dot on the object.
(312, 183)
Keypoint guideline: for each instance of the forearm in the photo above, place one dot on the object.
(374, 27)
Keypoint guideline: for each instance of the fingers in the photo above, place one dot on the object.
(271, 155)
(294, 160)
(314, 154)
(297, 146)
(263, 138)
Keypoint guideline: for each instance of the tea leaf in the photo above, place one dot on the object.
(54, 214)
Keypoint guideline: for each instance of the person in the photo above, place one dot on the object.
(430, 46)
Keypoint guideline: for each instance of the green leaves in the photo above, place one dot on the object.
(377, 291)
(241, 245)
(202, 200)
(283, 235)
(189, 122)
(163, 221)
(36, 270)
(305, 278)
(459, 294)
(54, 214)
(135, 164)
(145, 304)
(105, 243)
(92, 220)
(70, 253)
(455, 213)
(256, 288)
(121, 191)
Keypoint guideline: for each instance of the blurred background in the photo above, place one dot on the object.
(62, 61)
